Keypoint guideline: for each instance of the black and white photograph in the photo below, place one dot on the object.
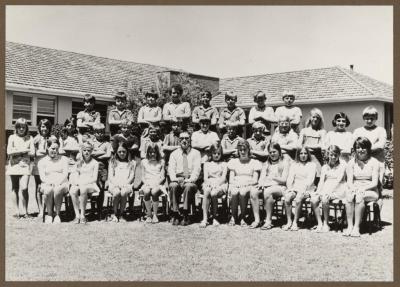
(226, 143)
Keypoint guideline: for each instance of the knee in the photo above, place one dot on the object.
(125, 191)
(289, 197)
(214, 193)
(173, 186)
(73, 191)
(254, 193)
(315, 200)
(116, 192)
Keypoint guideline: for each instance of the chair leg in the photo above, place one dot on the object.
(336, 223)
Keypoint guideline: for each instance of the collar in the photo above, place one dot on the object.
(231, 112)
(187, 151)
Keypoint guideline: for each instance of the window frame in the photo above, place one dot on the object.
(34, 111)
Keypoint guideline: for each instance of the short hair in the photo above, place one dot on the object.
(259, 94)
(244, 143)
(340, 115)
(334, 148)
(288, 93)
(318, 112)
(89, 98)
(22, 122)
(230, 94)
(155, 148)
(151, 94)
(46, 123)
(284, 118)
(363, 142)
(258, 125)
(207, 94)
(370, 111)
(120, 95)
(178, 88)
(216, 147)
(51, 140)
(87, 144)
(298, 150)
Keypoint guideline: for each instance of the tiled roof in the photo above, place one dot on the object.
(68, 71)
(334, 84)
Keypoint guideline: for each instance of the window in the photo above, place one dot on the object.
(22, 108)
(46, 109)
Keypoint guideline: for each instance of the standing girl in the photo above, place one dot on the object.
(40, 141)
(313, 137)
(340, 137)
(88, 169)
(300, 184)
(272, 183)
(53, 170)
(214, 185)
(21, 150)
(153, 178)
(121, 173)
(332, 185)
(362, 179)
(243, 177)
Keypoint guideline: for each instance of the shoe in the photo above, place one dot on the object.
(26, 216)
(48, 219)
(255, 224)
(232, 222)
(39, 218)
(266, 226)
(16, 216)
(148, 220)
(185, 221)
(122, 219)
(175, 221)
(318, 229)
(155, 219)
(114, 218)
(355, 233)
(286, 227)
(243, 223)
(294, 228)
(215, 222)
(76, 220)
(203, 224)
(57, 219)
(347, 232)
(83, 220)
(325, 229)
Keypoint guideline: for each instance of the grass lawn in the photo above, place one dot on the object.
(134, 251)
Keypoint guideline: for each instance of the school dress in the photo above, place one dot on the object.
(272, 171)
(120, 173)
(243, 172)
(314, 137)
(86, 171)
(331, 189)
(362, 176)
(20, 164)
(215, 171)
(152, 172)
(53, 170)
(302, 172)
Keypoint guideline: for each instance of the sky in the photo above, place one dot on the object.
(218, 41)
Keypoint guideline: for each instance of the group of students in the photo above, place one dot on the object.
(287, 162)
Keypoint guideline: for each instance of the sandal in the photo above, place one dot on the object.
(255, 224)
(347, 232)
(76, 220)
(203, 224)
(294, 228)
(215, 222)
(149, 220)
(243, 223)
(84, 220)
(155, 219)
(317, 229)
(286, 227)
(232, 222)
(355, 233)
(266, 226)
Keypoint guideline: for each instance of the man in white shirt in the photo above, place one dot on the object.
(183, 169)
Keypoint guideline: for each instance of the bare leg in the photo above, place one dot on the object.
(74, 193)
(15, 193)
(23, 186)
(206, 206)
(38, 194)
(315, 200)
(255, 203)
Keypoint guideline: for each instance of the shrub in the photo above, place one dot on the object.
(388, 178)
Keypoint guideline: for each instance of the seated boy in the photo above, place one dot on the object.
(259, 142)
(230, 141)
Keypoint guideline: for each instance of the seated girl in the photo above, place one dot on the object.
(272, 184)
(153, 178)
(214, 186)
(53, 170)
(362, 179)
(243, 177)
(121, 173)
(332, 185)
(300, 185)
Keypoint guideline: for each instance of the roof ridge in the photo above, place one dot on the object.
(354, 79)
(294, 71)
(93, 56)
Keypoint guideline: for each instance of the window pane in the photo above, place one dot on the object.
(22, 107)
(46, 106)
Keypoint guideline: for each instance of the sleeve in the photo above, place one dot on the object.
(140, 117)
(196, 166)
(42, 169)
(10, 144)
(278, 113)
(110, 117)
(257, 165)
(195, 115)
(214, 116)
(187, 110)
(195, 139)
(242, 117)
(382, 136)
(271, 114)
(251, 116)
(166, 114)
(97, 118)
(231, 164)
(80, 115)
(222, 119)
(172, 166)
(215, 138)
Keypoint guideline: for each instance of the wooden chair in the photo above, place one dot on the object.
(338, 207)
(372, 208)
